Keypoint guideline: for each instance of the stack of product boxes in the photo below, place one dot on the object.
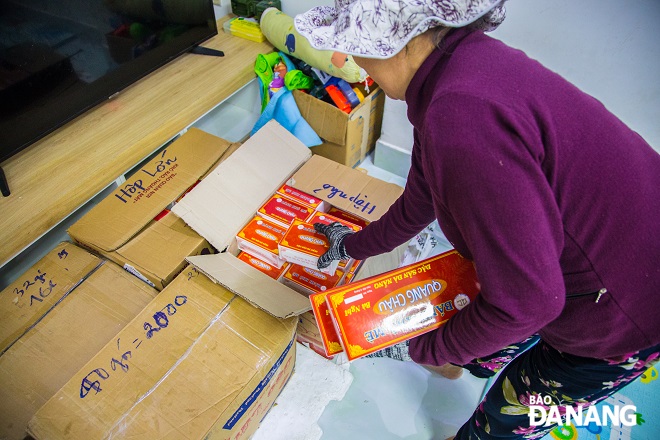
(281, 242)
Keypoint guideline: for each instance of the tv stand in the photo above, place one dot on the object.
(58, 177)
(4, 186)
(199, 50)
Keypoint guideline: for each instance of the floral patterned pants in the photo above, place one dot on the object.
(532, 370)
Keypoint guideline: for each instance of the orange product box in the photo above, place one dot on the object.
(270, 270)
(331, 341)
(283, 210)
(303, 245)
(352, 271)
(302, 197)
(386, 309)
(306, 280)
(260, 238)
(340, 213)
(326, 219)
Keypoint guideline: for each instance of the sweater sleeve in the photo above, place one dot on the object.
(488, 170)
(407, 216)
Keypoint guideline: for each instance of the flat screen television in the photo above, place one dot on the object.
(59, 58)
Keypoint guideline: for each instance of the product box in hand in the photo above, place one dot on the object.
(197, 362)
(386, 309)
(260, 238)
(326, 327)
(307, 280)
(224, 202)
(89, 301)
(283, 210)
(126, 226)
(318, 204)
(270, 270)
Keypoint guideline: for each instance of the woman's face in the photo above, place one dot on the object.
(387, 74)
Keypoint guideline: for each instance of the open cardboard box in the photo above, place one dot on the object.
(198, 362)
(347, 137)
(122, 227)
(90, 301)
(231, 194)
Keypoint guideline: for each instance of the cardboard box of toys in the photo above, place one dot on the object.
(198, 362)
(224, 202)
(63, 311)
(130, 226)
(389, 308)
(347, 137)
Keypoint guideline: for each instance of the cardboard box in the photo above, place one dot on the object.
(270, 270)
(284, 210)
(307, 281)
(122, 226)
(308, 334)
(35, 292)
(260, 238)
(197, 363)
(347, 138)
(386, 309)
(55, 347)
(222, 204)
(302, 197)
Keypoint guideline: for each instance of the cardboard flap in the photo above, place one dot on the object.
(121, 215)
(230, 195)
(346, 188)
(252, 285)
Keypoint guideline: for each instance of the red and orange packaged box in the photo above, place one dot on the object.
(260, 238)
(283, 210)
(270, 270)
(306, 280)
(329, 337)
(386, 309)
(302, 197)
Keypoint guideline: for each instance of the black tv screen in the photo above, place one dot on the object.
(58, 58)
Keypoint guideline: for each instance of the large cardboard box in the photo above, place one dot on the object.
(123, 226)
(61, 341)
(197, 363)
(223, 203)
(35, 292)
(347, 138)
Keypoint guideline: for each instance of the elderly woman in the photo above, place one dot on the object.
(552, 197)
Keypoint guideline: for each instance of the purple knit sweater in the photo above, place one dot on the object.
(550, 195)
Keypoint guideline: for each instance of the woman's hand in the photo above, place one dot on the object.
(335, 232)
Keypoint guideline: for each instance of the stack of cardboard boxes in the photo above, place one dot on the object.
(168, 331)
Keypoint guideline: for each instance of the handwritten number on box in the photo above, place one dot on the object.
(161, 320)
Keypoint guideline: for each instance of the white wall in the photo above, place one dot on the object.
(608, 48)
